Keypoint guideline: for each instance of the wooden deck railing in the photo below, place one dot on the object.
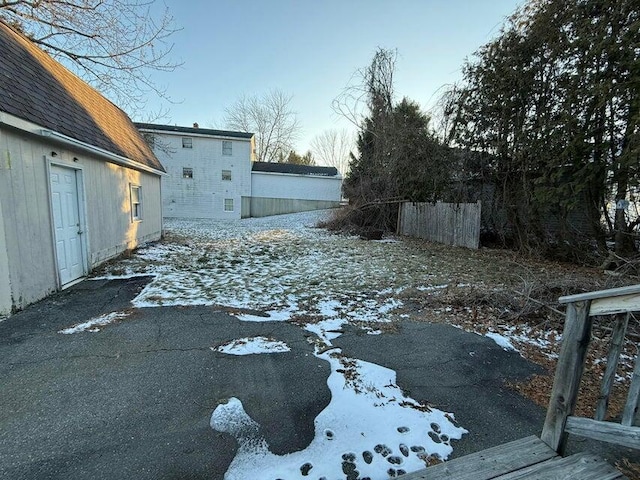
(560, 420)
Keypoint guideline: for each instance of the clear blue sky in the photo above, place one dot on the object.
(311, 48)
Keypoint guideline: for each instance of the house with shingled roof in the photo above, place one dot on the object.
(78, 182)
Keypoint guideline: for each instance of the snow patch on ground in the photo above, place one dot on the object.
(252, 345)
(95, 323)
(279, 315)
(543, 340)
(369, 427)
(327, 329)
(431, 288)
(124, 276)
(502, 341)
(269, 264)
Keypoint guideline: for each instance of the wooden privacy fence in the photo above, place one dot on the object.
(455, 224)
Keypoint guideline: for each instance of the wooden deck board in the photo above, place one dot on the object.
(489, 463)
(583, 466)
(526, 459)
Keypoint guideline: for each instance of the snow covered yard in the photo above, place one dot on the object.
(277, 264)
(281, 268)
(285, 268)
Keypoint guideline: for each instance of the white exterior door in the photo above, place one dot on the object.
(66, 222)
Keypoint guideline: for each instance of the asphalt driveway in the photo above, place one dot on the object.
(135, 399)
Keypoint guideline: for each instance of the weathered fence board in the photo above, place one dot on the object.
(615, 348)
(455, 224)
(609, 432)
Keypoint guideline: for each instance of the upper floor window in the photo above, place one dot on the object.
(187, 142)
(227, 147)
(226, 174)
(187, 172)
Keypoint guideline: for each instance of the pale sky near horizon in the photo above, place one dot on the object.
(311, 49)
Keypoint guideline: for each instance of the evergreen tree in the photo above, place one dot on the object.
(554, 101)
(399, 158)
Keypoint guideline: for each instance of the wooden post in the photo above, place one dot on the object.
(575, 340)
(617, 342)
(631, 407)
(399, 222)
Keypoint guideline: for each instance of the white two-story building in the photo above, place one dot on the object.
(209, 170)
(211, 174)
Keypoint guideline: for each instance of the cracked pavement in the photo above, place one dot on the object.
(134, 400)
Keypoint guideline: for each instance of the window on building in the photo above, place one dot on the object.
(226, 175)
(227, 147)
(187, 142)
(187, 172)
(228, 204)
(136, 203)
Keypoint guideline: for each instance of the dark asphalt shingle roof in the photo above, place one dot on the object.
(294, 168)
(193, 130)
(36, 88)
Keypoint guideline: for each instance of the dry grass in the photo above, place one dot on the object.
(630, 469)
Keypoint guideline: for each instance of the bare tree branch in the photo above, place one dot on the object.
(356, 101)
(114, 45)
(271, 118)
(333, 148)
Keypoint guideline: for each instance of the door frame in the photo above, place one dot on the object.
(82, 217)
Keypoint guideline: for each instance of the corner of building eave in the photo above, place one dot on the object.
(16, 123)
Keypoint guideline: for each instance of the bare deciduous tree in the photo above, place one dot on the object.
(333, 147)
(112, 44)
(271, 118)
(370, 90)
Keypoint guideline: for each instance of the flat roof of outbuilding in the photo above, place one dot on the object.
(272, 167)
(194, 130)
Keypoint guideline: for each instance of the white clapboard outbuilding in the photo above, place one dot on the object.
(78, 183)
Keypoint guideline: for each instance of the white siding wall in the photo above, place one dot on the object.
(24, 197)
(5, 286)
(297, 187)
(277, 193)
(203, 195)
